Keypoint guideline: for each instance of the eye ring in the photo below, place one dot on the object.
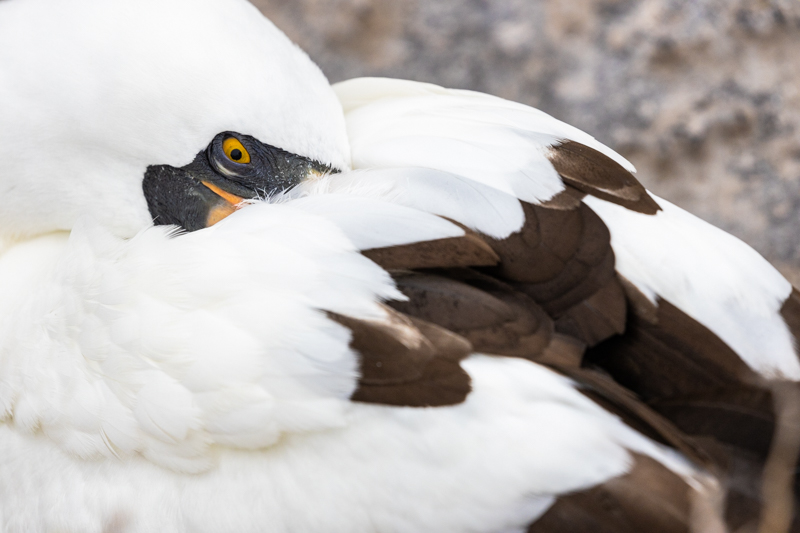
(235, 151)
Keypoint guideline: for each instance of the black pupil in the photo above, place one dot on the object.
(236, 154)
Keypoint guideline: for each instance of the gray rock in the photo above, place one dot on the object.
(703, 97)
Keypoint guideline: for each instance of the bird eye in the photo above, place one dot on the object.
(235, 151)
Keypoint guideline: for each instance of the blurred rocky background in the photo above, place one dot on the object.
(703, 96)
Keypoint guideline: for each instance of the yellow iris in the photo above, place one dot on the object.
(235, 151)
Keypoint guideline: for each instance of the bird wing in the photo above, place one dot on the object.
(661, 250)
(688, 317)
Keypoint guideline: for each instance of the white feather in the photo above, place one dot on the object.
(387, 224)
(363, 92)
(490, 140)
(476, 206)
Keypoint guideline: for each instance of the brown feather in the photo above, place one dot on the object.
(469, 250)
(648, 498)
(490, 314)
(558, 257)
(596, 174)
(563, 260)
(563, 352)
(407, 362)
(738, 415)
(596, 318)
(687, 373)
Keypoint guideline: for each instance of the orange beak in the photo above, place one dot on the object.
(230, 205)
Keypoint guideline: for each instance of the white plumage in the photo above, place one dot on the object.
(156, 380)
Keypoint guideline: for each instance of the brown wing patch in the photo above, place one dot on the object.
(469, 250)
(648, 498)
(560, 262)
(563, 260)
(493, 316)
(737, 415)
(593, 173)
(674, 356)
(688, 374)
(596, 318)
(407, 361)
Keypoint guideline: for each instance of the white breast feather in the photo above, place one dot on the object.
(165, 346)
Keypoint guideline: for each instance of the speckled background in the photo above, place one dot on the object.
(702, 96)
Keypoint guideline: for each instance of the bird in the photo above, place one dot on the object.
(235, 298)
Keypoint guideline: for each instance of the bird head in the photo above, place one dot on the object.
(153, 112)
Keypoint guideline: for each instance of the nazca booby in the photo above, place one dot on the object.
(243, 374)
